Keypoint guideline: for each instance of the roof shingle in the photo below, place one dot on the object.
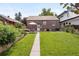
(42, 18)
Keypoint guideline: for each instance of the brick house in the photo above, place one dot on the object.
(45, 23)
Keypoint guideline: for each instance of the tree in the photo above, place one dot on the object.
(56, 15)
(24, 21)
(18, 16)
(8, 16)
(73, 7)
(46, 12)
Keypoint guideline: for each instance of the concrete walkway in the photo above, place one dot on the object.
(36, 46)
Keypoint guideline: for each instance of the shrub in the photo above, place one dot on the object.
(8, 34)
(18, 25)
(69, 29)
(13, 29)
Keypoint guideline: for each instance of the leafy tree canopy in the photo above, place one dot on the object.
(18, 16)
(73, 7)
(46, 12)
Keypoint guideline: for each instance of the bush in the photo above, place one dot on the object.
(13, 29)
(8, 34)
(18, 25)
(69, 29)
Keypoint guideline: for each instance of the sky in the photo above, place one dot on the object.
(28, 9)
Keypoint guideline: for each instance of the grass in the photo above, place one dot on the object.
(22, 47)
(59, 44)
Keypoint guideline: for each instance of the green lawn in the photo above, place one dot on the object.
(22, 47)
(59, 44)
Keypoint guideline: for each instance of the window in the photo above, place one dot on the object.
(44, 22)
(66, 23)
(69, 23)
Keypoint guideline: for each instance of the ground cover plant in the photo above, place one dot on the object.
(59, 44)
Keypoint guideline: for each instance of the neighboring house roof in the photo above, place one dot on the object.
(62, 13)
(70, 18)
(9, 19)
(42, 18)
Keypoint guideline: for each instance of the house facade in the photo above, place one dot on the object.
(45, 23)
(69, 18)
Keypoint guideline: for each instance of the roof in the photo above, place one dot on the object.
(62, 13)
(10, 19)
(70, 18)
(42, 18)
